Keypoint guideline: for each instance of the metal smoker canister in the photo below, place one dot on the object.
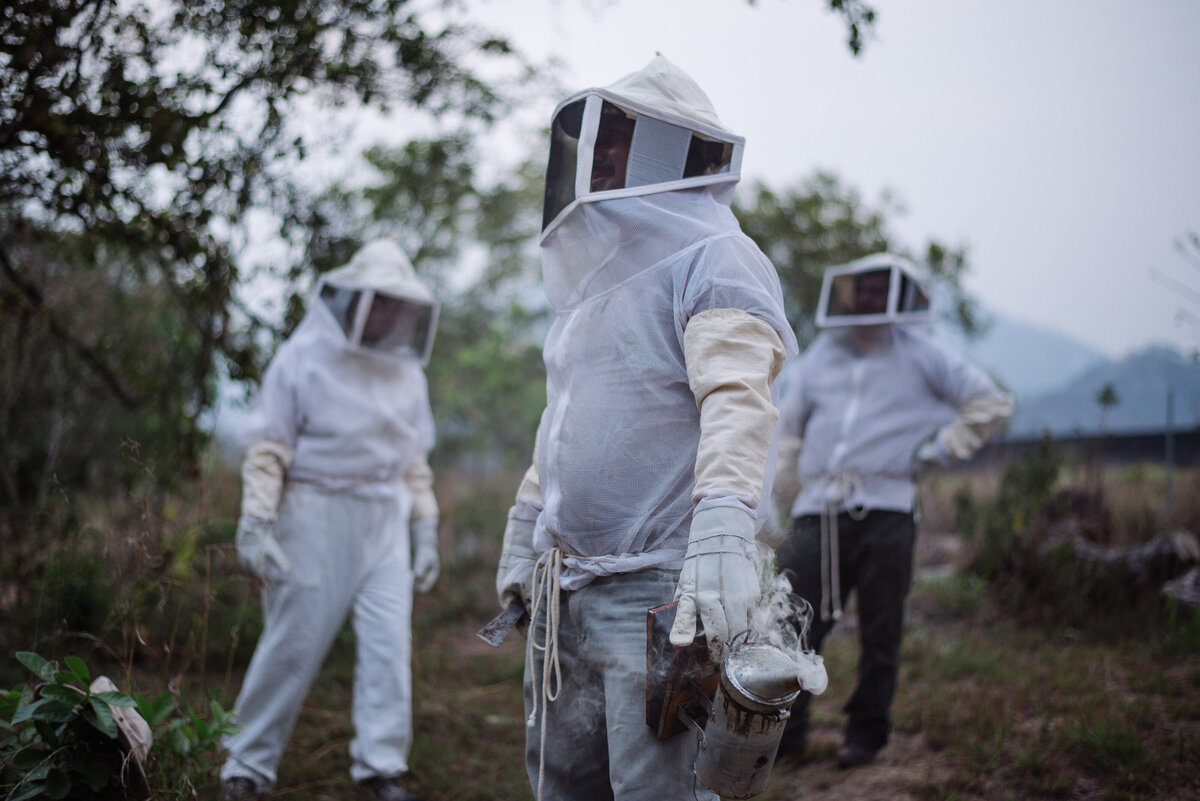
(752, 704)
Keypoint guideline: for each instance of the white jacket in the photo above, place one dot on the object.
(860, 416)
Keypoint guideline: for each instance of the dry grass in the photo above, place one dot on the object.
(987, 709)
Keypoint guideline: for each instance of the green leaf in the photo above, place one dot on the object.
(45, 730)
(58, 783)
(67, 695)
(27, 759)
(80, 669)
(49, 709)
(27, 790)
(102, 718)
(115, 698)
(37, 664)
(156, 711)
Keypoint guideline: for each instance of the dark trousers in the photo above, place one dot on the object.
(876, 558)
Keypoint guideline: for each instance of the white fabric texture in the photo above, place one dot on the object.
(671, 92)
(355, 421)
(787, 481)
(663, 97)
(381, 265)
(349, 555)
(977, 420)
(514, 576)
(258, 550)
(359, 425)
(719, 584)
(419, 480)
(133, 730)
(732, 360)
(617, 478)
(263, 471)
(864, 400)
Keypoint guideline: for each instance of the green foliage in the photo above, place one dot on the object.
(822, 223)
(189, 750)
(76, 593)
(1083, 556)
(1000, 527)
(135, 140)
(486, 379)
(62, 741)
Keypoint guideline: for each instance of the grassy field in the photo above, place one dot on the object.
(991, 706)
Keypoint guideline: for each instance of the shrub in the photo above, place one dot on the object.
(61, 740)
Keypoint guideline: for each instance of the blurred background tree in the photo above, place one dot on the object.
(135, 141)
(822, 223)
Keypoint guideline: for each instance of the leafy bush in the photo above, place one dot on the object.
(1084, 554)
(61, 739)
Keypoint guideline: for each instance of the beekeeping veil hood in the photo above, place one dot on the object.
(883, 288)
(379, 304)
(635, 168)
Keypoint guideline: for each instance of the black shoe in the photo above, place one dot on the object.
(853, 755)
(385, 789)
(239, 788)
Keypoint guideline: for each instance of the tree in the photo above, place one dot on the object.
(822, 223)
(134, 141)
(1106, 399)
(1188, 248)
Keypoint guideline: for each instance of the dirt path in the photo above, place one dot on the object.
(907, 767)
(899, 773)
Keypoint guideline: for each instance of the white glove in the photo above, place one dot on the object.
(425, 563)
(932, 453)
(514, 576)
(258, 549)
(719, 580)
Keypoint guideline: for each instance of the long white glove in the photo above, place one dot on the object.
(719, 581)
(425, 562)
(258, 550)
(514, 576)
(931, 455)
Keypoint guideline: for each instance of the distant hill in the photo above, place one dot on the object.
(1027, 359)
(1056, 378)
(1140, 380)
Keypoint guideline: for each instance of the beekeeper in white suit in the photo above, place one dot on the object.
(339, 516)
(652, 454)
(870, 406)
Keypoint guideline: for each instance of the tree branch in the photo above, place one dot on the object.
(88, 354)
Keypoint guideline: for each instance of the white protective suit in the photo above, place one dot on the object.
(338, 512)
(656, 441)
(874, 402)
(870, 405)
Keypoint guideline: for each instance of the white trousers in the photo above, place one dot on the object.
(348, 555)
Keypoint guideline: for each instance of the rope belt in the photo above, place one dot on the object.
(546, 574)
(844, 486)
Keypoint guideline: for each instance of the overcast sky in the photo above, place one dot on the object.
(1058, 139)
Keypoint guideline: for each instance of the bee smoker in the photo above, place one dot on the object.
(751, 706)
(737, 709)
